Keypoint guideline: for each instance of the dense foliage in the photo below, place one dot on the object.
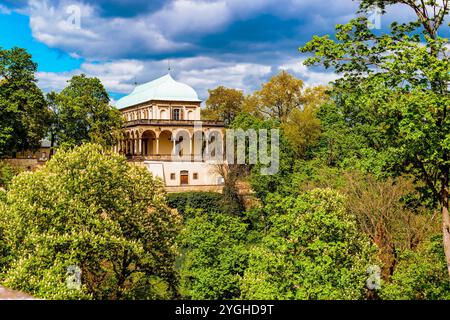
(223, 104)
(82, 113)
(394, 92)
(24, 116)
(215, 256)
(420, 275)
(183, 201)
(96, 212)
(312, 250)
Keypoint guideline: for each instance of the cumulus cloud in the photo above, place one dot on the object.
(202, 73)
(187, 16)
(242, 76)
(77, 28)
(173, 27)
(117, 76)
(4, 9)
(310, 77)
(235, 43)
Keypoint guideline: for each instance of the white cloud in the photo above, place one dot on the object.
(95, 37)
(117, 76)
(202, 73)
(4, 10)
(111, 41)
(185, 16)
(159, 32)
(311, 78)
(242, 76)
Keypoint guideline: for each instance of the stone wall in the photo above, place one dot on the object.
(26, 164)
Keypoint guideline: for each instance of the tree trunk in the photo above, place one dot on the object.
(446, 233)
(446, 221)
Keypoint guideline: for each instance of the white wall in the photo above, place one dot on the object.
(207, 174)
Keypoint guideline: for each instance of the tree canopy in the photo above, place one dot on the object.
(82, 113)
(95, 212)
(223, 104)
(394, 87)
(24, 116)
(312, 250)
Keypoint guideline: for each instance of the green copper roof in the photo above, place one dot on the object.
(164, 88)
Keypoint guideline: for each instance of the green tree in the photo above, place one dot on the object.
(312, 250)
(214, 257)
(394, 87)
(341, 144)
(420, 275)
(302, 127)
(266, 184)
(92, 210)
(223, 104)
(24, 116)
(278, 97)
(431, 13)
(389, 212)
(54, 127)
(82, 113)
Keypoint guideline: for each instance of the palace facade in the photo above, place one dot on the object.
(165, 133)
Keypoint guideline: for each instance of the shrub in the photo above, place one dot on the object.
(207, 201)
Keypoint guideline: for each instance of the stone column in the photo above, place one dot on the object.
(222, 146)
(139, 145)
(206, 135)
(157, 145)
(191, 145)
(174, 145)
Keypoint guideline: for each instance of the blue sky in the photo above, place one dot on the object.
(235, 43)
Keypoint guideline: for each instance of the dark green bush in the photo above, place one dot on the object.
(207, 201)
